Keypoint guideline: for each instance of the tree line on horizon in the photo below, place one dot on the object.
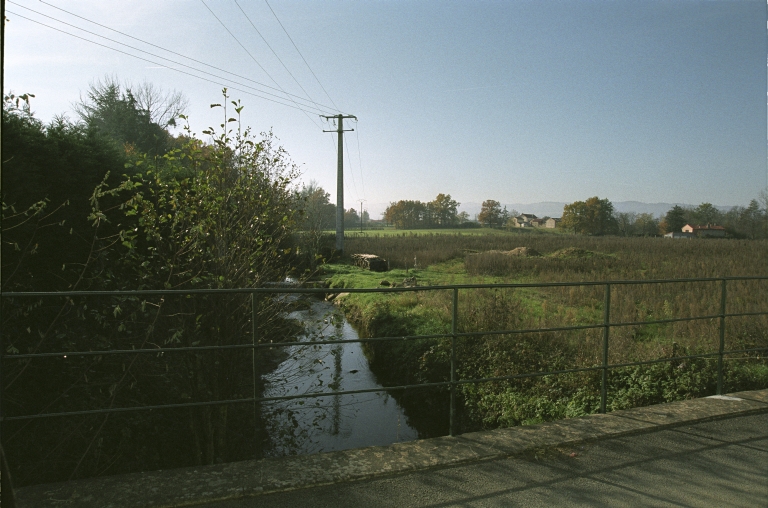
(594, 216)
(597, 216)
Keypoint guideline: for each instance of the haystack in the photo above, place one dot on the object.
(370, 262)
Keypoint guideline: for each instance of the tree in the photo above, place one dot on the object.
(504, 216)
(706, 213)
(55, 168)
(625, 222)
(134, 120)
(444, 210)
(591, 217)
(318, 215)
(228, 225)
(646, 225)
(490, 213)
(351, 219)
(406, 214)
(675, 219)
(752, 219)
(164, 107)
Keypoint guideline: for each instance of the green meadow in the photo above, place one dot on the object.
(483, 256)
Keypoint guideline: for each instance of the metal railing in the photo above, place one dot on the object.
(452, 384)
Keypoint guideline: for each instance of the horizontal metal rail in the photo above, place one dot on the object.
(264, 345)
(296, 290)
(452, 384)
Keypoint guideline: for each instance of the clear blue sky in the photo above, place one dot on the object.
(518, 101)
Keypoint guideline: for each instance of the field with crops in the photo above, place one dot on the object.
(429, 259)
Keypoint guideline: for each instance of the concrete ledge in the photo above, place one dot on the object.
(198, 485)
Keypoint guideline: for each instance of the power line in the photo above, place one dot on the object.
(302, 56)
(159, 47)
(163, 65)
(351, 173)
(254, 59)
(359, 156)
(148, 53)
(274, 53)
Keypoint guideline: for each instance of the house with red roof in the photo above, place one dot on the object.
(710, 230)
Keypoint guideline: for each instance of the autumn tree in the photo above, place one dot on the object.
(444, 210)
(406, 214)
(591, 217)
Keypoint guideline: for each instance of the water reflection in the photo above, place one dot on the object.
(333, 422)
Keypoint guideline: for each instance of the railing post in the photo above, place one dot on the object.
(722, 340)
(253, 367)
(454, 327)
(606, 334)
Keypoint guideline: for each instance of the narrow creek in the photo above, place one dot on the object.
(334, 422)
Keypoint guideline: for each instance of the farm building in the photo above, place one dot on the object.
(702, 231)
(524, 220)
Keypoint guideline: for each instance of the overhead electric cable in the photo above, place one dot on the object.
(275, 53)
(351, 173)
(294, 106)
(159, 47)
(302, 56)
(152, 54)
(254, 59)
(359, 156)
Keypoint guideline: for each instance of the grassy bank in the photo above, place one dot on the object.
(463, 259)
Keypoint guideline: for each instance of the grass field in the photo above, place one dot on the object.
(484, 257)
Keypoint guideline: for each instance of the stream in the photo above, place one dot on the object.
(335, 422)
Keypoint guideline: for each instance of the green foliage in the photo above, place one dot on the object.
(564, 258)
(201, 216)
(676, 219)
(491, 213)
(444, 210)
(125, 115)
(706, 213)
(53, 170)
(591, 217)
(406, 214)
(440, 213)
(318, 215)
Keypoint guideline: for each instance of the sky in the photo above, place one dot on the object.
(516, 101)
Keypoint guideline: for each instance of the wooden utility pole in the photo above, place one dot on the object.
(340, 180)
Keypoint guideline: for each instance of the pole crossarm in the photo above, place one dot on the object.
(339, 117)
